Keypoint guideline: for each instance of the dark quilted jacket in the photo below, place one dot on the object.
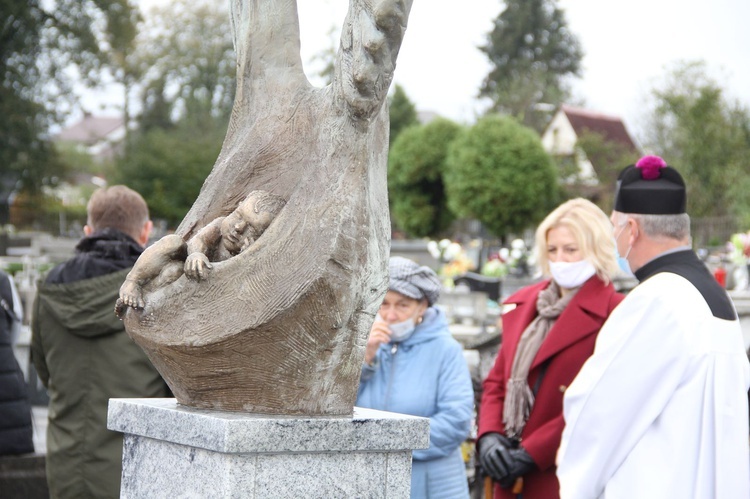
(15, 410)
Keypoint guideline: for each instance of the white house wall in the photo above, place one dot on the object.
(586, 169)
(559, 139)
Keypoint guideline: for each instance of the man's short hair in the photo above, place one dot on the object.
(655, 226)
(117, 207)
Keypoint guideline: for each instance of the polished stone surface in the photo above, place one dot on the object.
(176, 451)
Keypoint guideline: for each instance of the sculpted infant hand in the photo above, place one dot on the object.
(246, 243)
(197, 266)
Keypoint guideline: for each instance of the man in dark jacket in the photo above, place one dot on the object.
(82, 353)
(16, 435)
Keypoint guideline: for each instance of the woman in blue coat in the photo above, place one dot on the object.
(414, 366)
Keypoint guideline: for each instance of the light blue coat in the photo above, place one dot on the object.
(426, 375)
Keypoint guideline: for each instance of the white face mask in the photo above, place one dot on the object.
(570, 275)
(622, 261)
(400, 331)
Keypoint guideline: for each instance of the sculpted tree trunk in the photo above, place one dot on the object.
(281, 327)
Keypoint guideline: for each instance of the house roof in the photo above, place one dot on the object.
(610, 127)
(90, 129)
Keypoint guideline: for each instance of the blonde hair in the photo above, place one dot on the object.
(592, 231)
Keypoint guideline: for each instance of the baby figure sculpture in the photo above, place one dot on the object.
(165, 261)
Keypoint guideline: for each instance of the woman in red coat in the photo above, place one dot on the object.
(549, 330)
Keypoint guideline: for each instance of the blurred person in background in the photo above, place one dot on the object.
(16, 433)
(548, 331)
(660, 409)
(81, 350)
(414, 366)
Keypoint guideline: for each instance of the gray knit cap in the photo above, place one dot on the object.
(413, 281)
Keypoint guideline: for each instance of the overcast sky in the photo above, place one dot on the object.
(627, 47)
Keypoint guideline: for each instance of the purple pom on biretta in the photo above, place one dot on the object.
(650, 167)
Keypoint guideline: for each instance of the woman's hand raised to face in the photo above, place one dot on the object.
(379, 334)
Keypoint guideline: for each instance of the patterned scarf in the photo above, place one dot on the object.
(519, 399)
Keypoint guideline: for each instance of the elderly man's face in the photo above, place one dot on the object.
(243, 226)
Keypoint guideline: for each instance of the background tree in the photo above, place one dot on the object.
(706, 137)
(168, 168)
(532, 52)
(416, 167)
(116, 47)
(156, 107)
(187, 60)
(403, 112)
(25, 151)
(498, 173)
(91, 36)
(41, 44)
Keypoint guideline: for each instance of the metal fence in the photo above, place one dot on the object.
(714, 231)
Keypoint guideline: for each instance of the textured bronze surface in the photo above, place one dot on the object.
(281, 328)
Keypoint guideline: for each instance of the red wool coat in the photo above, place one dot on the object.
(567, 346)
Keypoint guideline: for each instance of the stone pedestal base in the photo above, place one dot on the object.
(176, 451)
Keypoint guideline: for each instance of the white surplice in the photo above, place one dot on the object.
(660, 410)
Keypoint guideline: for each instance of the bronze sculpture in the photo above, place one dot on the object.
(165, 261)
(281, 327)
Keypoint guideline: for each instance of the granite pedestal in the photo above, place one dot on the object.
(176, 451)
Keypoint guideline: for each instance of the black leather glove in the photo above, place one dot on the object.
(494, 455)
(519, 464)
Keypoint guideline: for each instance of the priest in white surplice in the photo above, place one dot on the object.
(661, 408)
